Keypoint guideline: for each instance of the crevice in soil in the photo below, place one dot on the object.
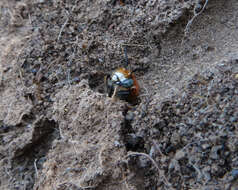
(128, 136)
(96, 82)
(28, 161)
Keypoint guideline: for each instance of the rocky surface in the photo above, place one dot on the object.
(58, 128)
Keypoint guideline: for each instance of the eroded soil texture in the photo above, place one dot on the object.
(59, 130)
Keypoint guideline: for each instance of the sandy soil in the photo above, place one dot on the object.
(59, 129)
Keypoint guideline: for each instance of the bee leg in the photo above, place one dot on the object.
(114, 97)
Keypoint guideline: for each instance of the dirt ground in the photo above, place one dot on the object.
(60, 131)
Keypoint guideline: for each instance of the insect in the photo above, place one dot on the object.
(122, 84)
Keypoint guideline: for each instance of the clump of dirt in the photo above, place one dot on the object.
(58, 128)
(85, 156)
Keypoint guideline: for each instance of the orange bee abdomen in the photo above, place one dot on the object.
(136, 88)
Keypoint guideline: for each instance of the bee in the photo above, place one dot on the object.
(122, 84)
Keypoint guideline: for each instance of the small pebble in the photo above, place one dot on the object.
(234, 173)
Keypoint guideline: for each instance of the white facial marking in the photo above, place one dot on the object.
(118, 76)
